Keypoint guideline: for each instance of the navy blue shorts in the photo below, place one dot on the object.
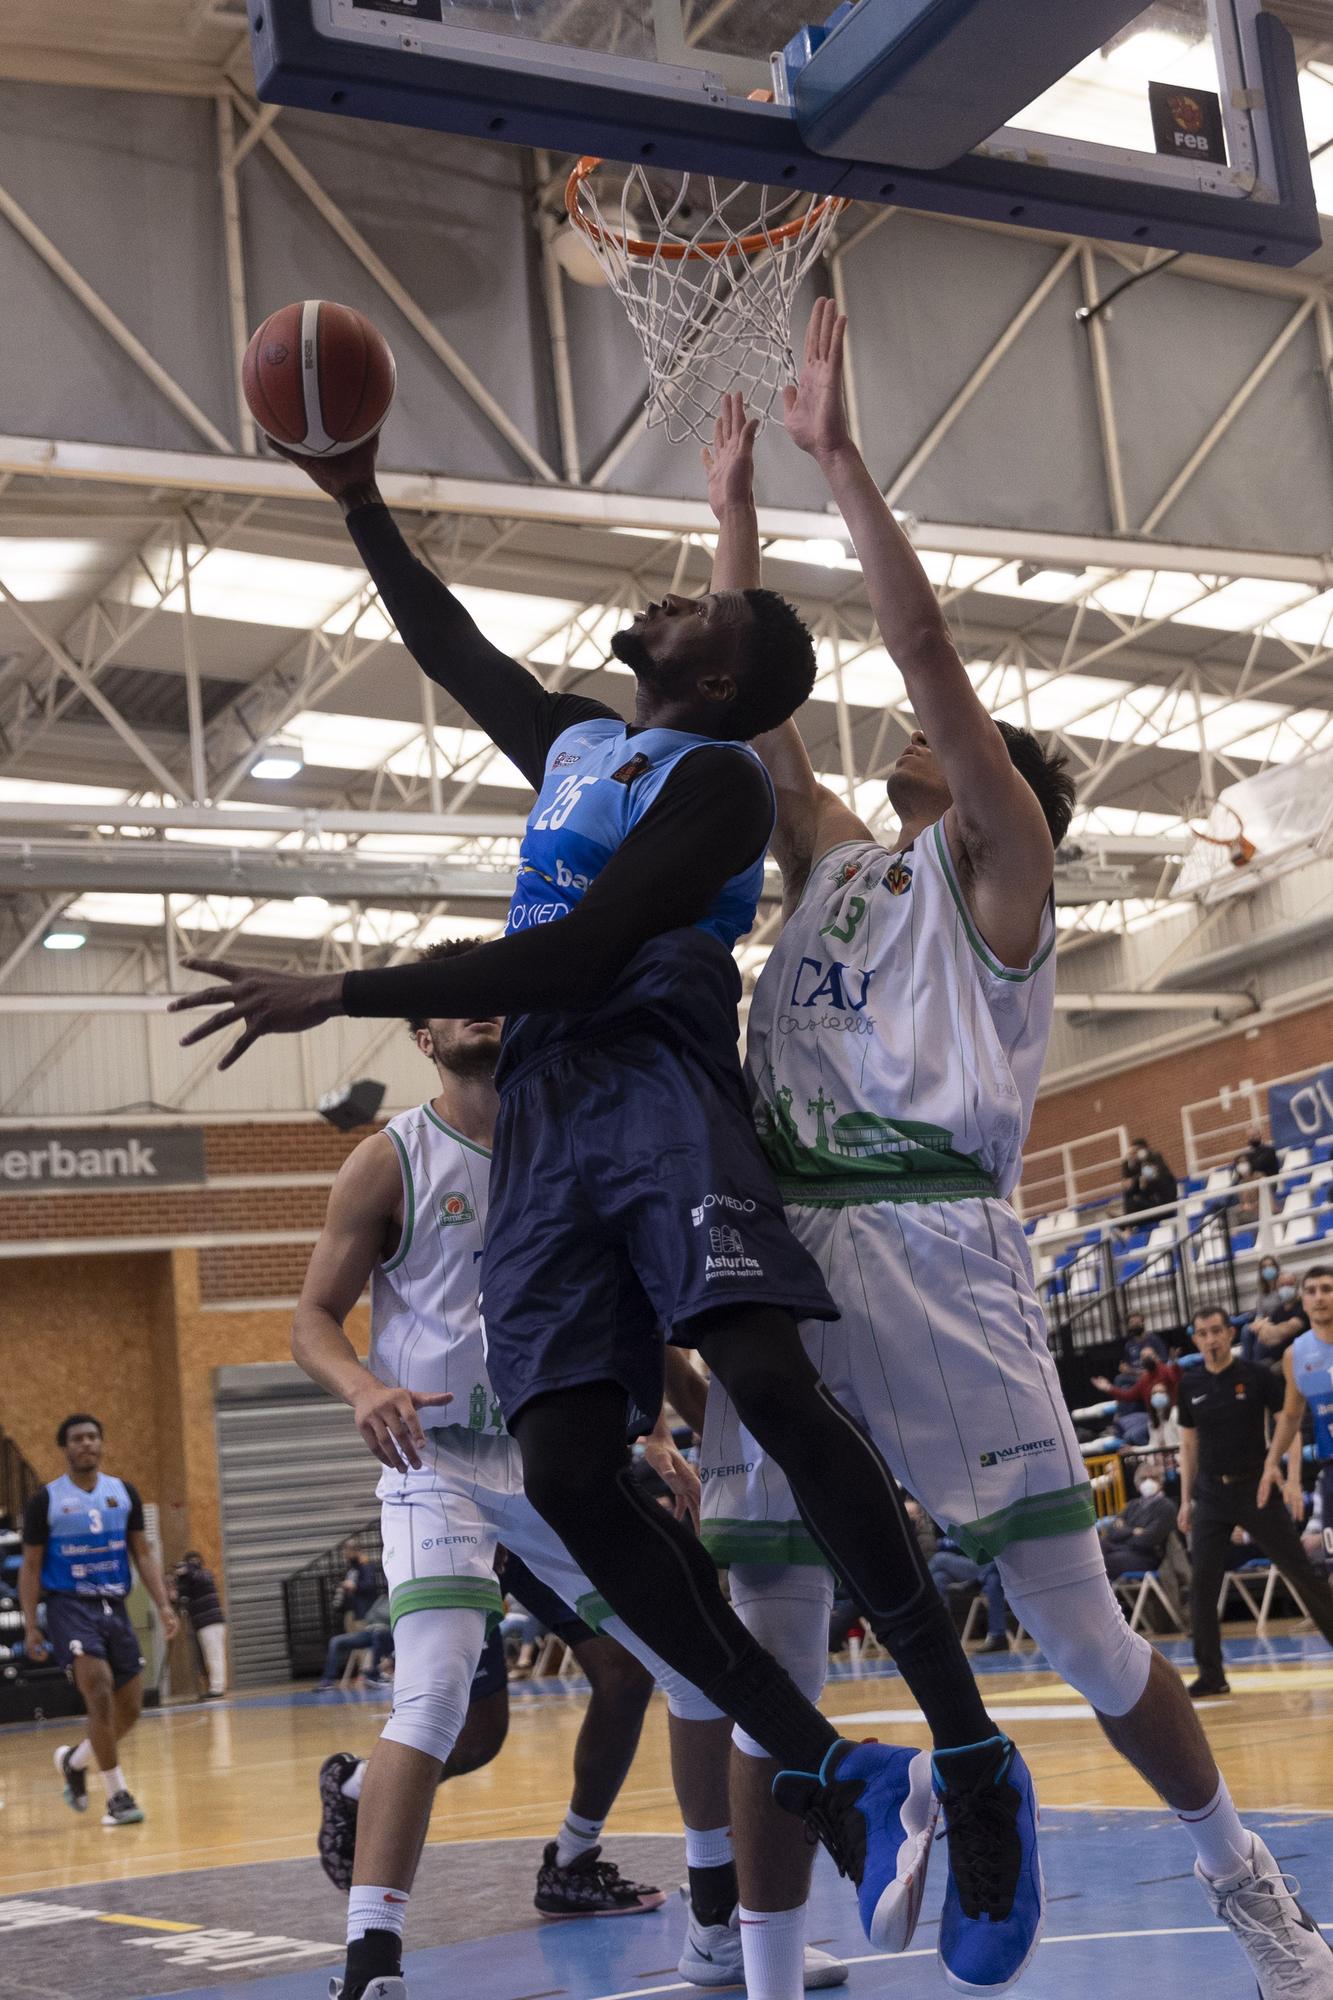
(96, 1628)
(492, 1675)
(550, 1611)
(628, 1196)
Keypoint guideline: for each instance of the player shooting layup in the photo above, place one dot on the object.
(896, 1039)
(623, 1128)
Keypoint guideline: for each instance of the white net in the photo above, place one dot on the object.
(708, 272)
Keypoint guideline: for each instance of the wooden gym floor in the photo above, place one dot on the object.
(217, 1890)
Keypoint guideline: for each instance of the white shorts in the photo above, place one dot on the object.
(442, 1525)
(941, 1355)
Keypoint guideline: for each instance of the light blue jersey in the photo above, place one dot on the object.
(600, 781)
(87, 1549)
(1312, 1371)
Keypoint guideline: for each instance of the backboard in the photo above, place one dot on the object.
(1213, 158)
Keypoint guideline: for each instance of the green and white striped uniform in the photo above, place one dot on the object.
(441, 1526)
(893, 1064)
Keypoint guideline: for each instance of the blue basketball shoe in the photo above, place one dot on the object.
(875, 1810)
(995, 1899)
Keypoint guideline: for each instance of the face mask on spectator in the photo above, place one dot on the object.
(1161, 1402)
(1268, 1273)
(1147, 1487)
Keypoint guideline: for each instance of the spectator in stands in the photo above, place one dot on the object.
(1163, 1423)
(1270, 1274)
(1153, 1374)
(1260, 1155)
(360, 1587)
(1244, 1203)
(1140, 1344)
(1274, 1328)
(194, 1592)
(1137, 1539)
(376, 1634)
(951, 1569)
(1148, 1180)
(1224, 1411)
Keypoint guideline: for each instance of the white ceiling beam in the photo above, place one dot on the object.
(275, 820)
(439, 493)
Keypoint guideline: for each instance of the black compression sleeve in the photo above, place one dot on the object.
(709, 822)
(37, 1519)
(135, 1524)
(501, 697)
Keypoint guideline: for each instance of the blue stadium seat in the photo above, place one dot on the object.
(1243, 1240)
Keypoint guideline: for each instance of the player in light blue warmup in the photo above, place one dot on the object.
(81, 1533)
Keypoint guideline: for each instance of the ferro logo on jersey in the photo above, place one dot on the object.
(456, 1207)
(729, 1201)
(1008, 1452)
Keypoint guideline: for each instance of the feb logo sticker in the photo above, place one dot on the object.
(456, 1208)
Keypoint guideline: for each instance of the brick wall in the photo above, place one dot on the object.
(1148, 1098)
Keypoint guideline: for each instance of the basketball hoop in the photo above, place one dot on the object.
(1218, 824)
(708, 273)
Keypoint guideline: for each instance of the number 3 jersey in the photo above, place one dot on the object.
(85, 1535)
(425, 1315)
(890, 1055)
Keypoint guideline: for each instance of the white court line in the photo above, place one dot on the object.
(885, 1957)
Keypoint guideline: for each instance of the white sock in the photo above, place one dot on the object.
(773, 1944)
(1223, 1844)
(711, 1849)
(372, 1909)
(81, 1756)
(352, 1788)
(576, 1837)
(114, 1781)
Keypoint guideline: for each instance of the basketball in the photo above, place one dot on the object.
(318, 377)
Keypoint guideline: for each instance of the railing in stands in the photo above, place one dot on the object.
(1217, 1127)
(1073, 1174)
(18, 1481)
(1088, 1300)
(308, 1594)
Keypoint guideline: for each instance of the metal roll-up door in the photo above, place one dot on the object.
(295, 1478)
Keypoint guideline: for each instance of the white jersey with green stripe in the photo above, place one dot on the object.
(891, 1056)
(425, 1314)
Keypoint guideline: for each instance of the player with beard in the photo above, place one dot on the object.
(895, 1043)
(629, 1195)
(408, 1214)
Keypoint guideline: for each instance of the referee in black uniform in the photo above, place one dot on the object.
(1224, 1409)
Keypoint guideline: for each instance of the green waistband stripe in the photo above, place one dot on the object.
(593, 1609)
(868, 1193)
(447, 1593)
(780, 1542)
(1066, 1511)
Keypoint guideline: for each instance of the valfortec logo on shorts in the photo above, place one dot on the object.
(1008, 1452)
(728, 1201)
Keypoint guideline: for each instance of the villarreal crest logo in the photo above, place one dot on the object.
(898, 880)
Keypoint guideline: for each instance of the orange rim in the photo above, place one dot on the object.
(675, 253)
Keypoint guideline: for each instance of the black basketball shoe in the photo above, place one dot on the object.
(75, 1782)
(590, 1887)
(337, 1819)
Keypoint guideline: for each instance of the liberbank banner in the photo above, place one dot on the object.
(100, 1156)
(1300, 1113)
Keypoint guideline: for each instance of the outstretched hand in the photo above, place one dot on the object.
(339, 474)
(269, 1003)
(729, 460)
(814, 408)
